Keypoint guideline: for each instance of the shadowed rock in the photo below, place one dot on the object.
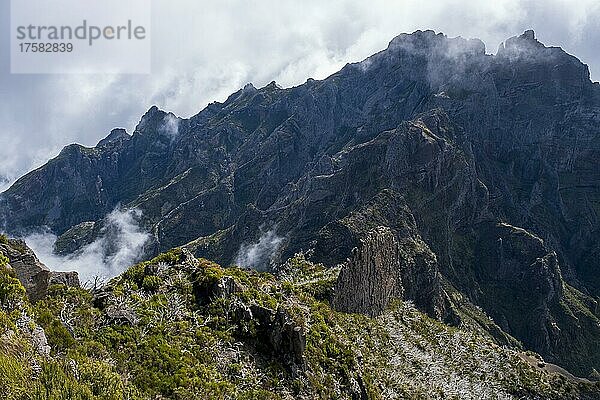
(382, 269)
(34, 275)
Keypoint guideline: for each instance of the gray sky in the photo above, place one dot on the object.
(204, 50)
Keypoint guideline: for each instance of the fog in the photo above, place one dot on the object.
(119, 245)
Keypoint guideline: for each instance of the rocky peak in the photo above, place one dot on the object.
(527, 38)
(115, 135)
(429, 43)
(150, 120)
(247, 91)
(522, 46)
(526, 48)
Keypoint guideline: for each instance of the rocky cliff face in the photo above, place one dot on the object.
(382, 269)
(31, 272)
(520, 285)
(471, 149)
(34, 276)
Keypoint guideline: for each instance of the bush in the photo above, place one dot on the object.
(151, 283)
(3, 260)
(59, 338)
(135, 274)
(11, 289)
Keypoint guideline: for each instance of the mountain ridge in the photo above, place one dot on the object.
(474, 148)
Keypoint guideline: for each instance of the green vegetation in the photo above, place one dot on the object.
(11, 291)
(175, 327)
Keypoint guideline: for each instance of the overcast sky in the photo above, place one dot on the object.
(204, 50)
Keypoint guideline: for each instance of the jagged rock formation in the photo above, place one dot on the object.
(281, 333)
(275, 328)
(70, 279)
(31, 272)
(521, 287)
(370, 279)
(34, 275)
(383, 269)
(432, 130)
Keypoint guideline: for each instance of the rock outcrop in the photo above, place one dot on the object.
(284, 337)
(382, 269)
(75, 238)
(31, 272)
(520, 285)
(34, 275)
(70, 279)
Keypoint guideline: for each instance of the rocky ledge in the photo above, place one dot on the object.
(33, 274)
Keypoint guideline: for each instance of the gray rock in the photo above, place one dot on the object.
(120, 314)
(225, 287)
(70, 279)
(34, 333)
(278, 331)
(40, 341)
(382, 268)
(34, 275)
(75, 238)
(31, 272)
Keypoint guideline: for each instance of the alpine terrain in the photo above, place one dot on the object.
(424, 223)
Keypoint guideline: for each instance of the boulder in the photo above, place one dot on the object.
(34, 275)
(70, 279)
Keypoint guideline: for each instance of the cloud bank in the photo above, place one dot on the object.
(170, 126)
(120, 245)
(259, 255)
(203, 51)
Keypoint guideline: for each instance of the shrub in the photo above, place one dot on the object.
(136, 273)
(11, 289)
(151, 283)
(58, 336)
(3, 260)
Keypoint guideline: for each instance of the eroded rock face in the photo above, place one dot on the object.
(520, 285)
(371, 278)
(33, 274)
(383, 268)
(75, 238)
(517, 271)
(64, 278)
(286, 337)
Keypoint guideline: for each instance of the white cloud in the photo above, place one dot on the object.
(119, 246)
(170, 126)
(258, 255)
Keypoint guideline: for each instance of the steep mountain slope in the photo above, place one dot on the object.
(481, 166)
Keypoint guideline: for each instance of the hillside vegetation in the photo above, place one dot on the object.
(185, 328)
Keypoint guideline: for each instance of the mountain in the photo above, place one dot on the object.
(433, 172)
